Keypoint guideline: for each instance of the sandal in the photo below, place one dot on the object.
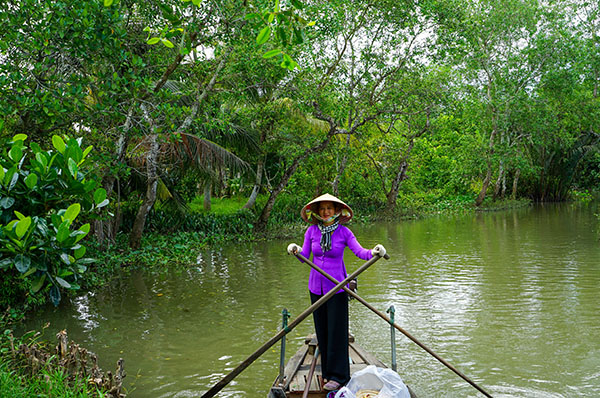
(331, 385)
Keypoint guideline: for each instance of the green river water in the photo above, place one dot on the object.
(509, 298)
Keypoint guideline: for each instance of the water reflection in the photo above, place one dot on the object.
(508, 298)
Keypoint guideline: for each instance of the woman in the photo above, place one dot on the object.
(326, 239)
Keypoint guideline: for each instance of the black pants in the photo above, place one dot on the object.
(331, 325)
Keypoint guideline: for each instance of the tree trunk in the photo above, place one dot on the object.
(488, 176)
(135, 237)
(344, 162)
(515, 184)
(484, 187)
(392, 195)
(499, 181)
(206, 200)
(257, 183)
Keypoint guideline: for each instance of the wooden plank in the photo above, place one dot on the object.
(367, 356)
(293, 364)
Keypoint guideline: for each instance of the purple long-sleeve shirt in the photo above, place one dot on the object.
(331, 261)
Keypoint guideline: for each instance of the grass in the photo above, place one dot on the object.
(46, 383)
(218, 205)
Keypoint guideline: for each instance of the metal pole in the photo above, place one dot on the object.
(392, 312)
(284, 322)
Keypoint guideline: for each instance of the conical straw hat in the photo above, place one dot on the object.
(313, 206)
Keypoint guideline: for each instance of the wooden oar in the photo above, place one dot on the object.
(382, 315)
(241, 367)
(313, 365)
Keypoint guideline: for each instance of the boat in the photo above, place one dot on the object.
(297, 372)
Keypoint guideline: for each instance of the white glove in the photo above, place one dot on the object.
(378, 250)
(293, 248)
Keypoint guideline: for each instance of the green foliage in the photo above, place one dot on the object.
(22, 377)
(42, 193)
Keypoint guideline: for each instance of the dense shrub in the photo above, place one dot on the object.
(42, 193)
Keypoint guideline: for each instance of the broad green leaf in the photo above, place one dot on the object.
(29, 272)
(15, 153)
(87, 151)
(73, 169)
(6, 202)
(63, 231)
(63, 282)
(272, 53)
(297, 4)
(271, 17)
(80, 252)
(31, 180)
(13, 179)
(102, 204)
(311, 23)
(42, 159)
(37, 283)
(263, 35)
(54, 291)
(72, 212)
(19, 137)
(85, 228)
(99, 195)
(153, 40)
(167, 42)
(2, 173)
(108, 3)
(22, 263)
(196, 2)
(22, 227)
(65, 258)
(59, 144)
(6, 263)
(19, 215)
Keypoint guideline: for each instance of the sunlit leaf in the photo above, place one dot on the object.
(72, 212)
(167, 43)
(73, 169)
(272, 53)
(63, 231)
(19, 137)
(15, 153)
(99, 195)
(59, 144)
(80, 252)
(22, 227)
(153, 40)
(263, 35)
(31, 180)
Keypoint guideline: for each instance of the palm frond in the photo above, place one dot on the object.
(192, 151)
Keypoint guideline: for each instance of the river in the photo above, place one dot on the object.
(509, 298)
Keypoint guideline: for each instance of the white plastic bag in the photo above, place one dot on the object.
(386, 381)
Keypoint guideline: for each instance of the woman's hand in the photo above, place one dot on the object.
(293, 248)
(378, 250)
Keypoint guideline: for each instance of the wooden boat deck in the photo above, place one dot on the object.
(298, 367)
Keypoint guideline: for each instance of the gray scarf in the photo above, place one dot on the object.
(326, 232)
